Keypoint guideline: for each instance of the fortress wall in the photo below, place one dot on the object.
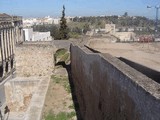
(34, 60)
(108, 89)
(151, 73)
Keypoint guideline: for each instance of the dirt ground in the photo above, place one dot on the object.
(58, 98)
(147, 54)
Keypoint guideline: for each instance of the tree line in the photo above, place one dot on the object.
(64, 30)
(80, 25)
(122, 21)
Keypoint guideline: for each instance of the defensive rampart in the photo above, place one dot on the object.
(108, 89)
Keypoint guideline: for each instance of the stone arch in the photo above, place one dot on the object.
(59, 54)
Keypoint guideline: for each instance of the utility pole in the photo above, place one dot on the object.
(156, 20)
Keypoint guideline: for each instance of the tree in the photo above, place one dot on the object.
(63, 30)
(86, 28)
(125, 14)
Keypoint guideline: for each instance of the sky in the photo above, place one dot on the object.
(41, 8)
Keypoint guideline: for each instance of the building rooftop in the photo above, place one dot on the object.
(5, 17)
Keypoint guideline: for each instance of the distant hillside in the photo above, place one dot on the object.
(122, 21)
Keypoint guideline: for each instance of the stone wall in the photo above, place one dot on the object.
(153, 74)
(108, 89)
(2, 95)
(125, 36)
(18, 93)
(25, 97)
(34, 60)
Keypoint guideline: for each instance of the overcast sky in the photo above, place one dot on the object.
(41, 8)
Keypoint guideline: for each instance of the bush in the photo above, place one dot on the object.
(73, 35)
(60, 116)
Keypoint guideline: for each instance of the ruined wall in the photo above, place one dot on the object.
(34, 60)
(108, 89)
(18, 93)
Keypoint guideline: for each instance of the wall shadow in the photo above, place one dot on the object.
(1, 71)
(91, 49)
(72, 87)
(153, 74)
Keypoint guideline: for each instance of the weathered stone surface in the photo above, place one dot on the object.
(34, 60)
(108, 89)
(16, 91)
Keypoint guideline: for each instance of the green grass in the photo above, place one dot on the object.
(65, 57)
(66, 85)
(60, 116)
(60, 52)
(72, 114)
(56, 79)
(63, 80)
(74, 35)
(71, 106)
(62, 55)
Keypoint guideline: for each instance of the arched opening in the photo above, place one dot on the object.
(1, 71)
(11, 63)
(61, 55)
(6, 69)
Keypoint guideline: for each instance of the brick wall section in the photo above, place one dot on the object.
(108, 89)
(34, 60)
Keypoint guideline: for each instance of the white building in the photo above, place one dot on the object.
(28, 33)
(122, 35)
(36, 36)
(56, 21)
(41, 36)
(29, 22)
(69, 19)
(47, 20)
(125, 36)
(110, 28)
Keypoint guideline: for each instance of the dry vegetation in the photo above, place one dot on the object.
(58, 104)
